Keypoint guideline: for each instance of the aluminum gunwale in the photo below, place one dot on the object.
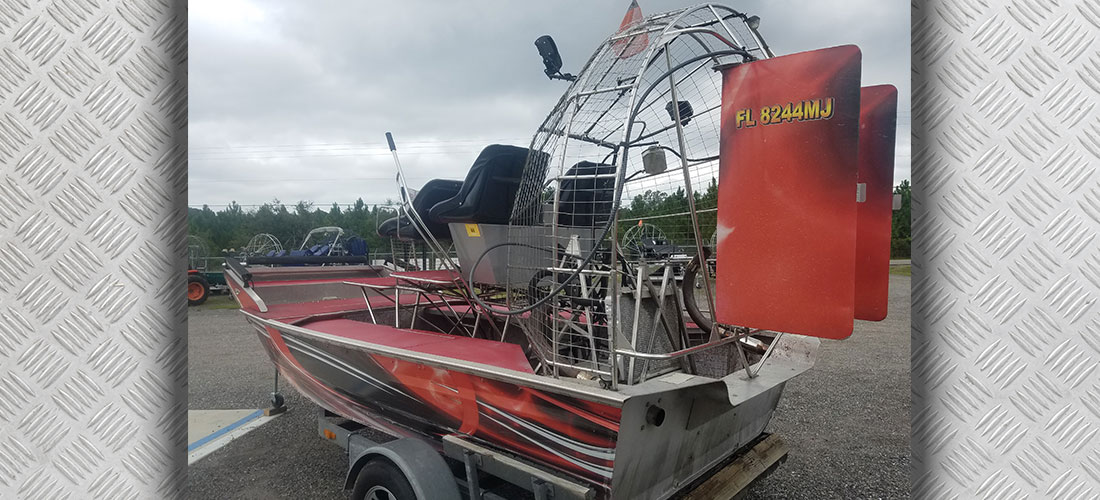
(247, 289)
(592, 394)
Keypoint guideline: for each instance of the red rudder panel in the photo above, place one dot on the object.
(878, 120)
(786, 196)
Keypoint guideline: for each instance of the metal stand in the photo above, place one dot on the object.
(278, 405)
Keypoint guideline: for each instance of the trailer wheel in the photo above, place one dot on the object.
(379, 479)
(197, 290)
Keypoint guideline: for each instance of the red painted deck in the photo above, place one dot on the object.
(488, 352)
(271, 283)
(291, 312)
(439, 276)
(417, 279)
(381, 281)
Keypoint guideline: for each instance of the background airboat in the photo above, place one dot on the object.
(595, 303)
(204, 267)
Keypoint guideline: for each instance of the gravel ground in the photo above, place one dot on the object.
(284, 458)
(846, 421)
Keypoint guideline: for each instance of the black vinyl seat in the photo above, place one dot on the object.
(357, 246)
(587, 195)
(489, 191)
(433, 192)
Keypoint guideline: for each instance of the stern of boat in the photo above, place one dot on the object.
(681, 426)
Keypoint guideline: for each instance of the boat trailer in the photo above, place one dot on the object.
(495, 475)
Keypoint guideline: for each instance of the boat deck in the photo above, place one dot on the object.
(426, 289)
(295, 311)
(486, 352)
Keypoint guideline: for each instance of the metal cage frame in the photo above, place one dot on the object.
(701, 23)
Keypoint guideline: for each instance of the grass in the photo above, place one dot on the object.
(905, 270)
(223, 301)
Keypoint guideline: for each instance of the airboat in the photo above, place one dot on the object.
(262, 244)
(204, 270)
(321, 246)
(613, 310)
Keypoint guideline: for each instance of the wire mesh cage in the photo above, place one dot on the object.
(261, 245)
(633, 141)
(197, 253)
(646, 241)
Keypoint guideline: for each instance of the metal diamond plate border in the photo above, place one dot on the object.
(93, 193)
(1006, 325)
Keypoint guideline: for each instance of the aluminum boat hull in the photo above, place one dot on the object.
(609, 440)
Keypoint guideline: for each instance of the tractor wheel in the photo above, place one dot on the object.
(197, 290)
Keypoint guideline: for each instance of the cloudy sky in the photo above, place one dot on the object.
(290, 100)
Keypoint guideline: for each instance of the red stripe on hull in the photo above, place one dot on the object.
(556, 430)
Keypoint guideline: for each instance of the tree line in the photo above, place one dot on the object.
(662, 209)
(233, 226)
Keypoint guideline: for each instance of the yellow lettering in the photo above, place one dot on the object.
(812, 110)
(827, 109)
(791, 111)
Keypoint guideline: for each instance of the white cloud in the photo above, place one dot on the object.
(446, 77)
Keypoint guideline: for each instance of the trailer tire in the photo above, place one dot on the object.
(414, 461)
(197, 290)
(380, 479)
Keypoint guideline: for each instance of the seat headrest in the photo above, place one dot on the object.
(587, 195)
(433, 192)
(490, 188)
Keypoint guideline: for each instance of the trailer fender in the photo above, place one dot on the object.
(422, 465)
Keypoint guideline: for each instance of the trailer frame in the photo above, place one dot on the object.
(432, 476)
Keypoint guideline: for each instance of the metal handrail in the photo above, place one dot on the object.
(682, 352)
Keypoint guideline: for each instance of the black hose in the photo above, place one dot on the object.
(510, 312)
(687, 287)
(549, 295)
